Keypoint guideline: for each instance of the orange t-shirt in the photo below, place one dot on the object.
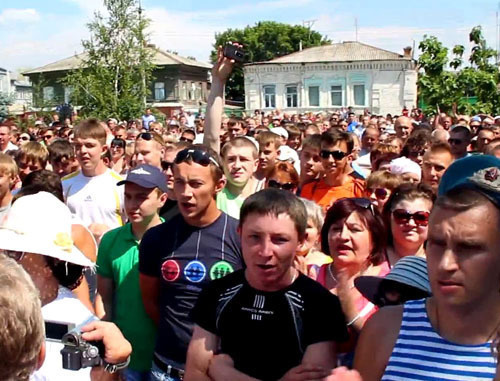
(324, 195)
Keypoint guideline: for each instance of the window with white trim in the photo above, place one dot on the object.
(269, 96)
(313, 92)
(159, 91)
(291, 96)
(359, 95)
(48, 93)
(336, 95)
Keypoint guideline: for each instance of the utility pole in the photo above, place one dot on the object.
(143, 46)
(309, 24)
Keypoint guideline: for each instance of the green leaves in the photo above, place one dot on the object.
(112, 80)
(474, 89)
(262, 42)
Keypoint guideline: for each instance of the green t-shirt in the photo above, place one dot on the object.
(229, 203)
(118, 259)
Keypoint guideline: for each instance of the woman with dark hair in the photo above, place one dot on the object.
(406, 215)
(354, 235)
(117, 150)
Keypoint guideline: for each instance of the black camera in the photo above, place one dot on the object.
(78, 353)
(235, 53)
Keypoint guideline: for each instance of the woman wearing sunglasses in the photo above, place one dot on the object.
(117, 150)
(406, 214)
(379, 187)
(283, 176)
(354, 235)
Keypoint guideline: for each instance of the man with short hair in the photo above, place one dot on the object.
(269, 321)
(448, 336)
(149, 149)
(484, 137)
(5, 135)
(239, 158)
(310, 161)
(459, 141)
(120, 132)
(339, 180)
(269, 152)
(62, 158)
(178, 258)
(48, 135)
(236, 127)
(147, 118)
(30, 157)
(435, 162)
(188, 135)
(403, 127)
(117, 266)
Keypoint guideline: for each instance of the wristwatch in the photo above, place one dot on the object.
(113, 368)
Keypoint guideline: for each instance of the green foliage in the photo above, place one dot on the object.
(5, 101)
(262, 42)
(117, 65)
(442, 88)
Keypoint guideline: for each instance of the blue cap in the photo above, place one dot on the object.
(410, 271)
(478, 172)
(146, 176)
(475, 119)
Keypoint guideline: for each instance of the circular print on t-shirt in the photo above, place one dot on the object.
(220, 269)
(170, 270)
(195, 271)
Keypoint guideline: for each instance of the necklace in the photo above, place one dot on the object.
(331, 274)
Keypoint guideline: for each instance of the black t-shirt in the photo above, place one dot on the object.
(267, 333)
(169, 210)
(186, 258)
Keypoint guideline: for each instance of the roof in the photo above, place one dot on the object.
(160, 58)
(347, 51)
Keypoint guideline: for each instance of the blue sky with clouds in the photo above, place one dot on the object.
(34, 32)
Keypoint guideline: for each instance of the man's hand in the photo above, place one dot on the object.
(223, 66)
(116, 348)
(219, 364)
(306, 372)
(344, 374)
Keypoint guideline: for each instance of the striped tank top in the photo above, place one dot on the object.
(421, 354)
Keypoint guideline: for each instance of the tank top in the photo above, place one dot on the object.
(420, 353)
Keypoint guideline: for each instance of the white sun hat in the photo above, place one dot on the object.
(41, 224)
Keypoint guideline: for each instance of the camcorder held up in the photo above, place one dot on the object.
(234, 52)
(78, 353)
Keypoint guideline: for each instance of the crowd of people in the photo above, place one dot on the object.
(273, 246)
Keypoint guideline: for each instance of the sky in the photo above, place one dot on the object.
(34, 33)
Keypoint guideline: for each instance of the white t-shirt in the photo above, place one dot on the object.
(95, 199)
(65, 309)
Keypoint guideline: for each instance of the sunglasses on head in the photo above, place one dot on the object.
(166, 165)
(402, 216)
(337, 155)
(359, 201)
(455, 141)
(196, 155)
(15, 255)
(145, 136)
(277, 185)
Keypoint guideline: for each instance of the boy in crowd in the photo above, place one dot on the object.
(268, 308)
(92, 193)
(30, 157)
(179, 257)
(149, 149)
(269, 151)
(117, 266)
(339, 180)
(62, 158)
(8, 179)
(239, 157)
(435, 162)
(310, 160)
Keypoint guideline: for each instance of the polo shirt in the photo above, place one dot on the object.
(118, 259)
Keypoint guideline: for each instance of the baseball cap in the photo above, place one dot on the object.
(478, 172)
(403, 165)
(410, 271)
(280, 131)
(475, 119)
(146, 176)
(41, 224)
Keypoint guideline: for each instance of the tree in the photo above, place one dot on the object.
(5, 101)
(446, 84)
(262, 42)
(116, 64)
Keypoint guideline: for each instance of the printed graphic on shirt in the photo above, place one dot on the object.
(170, 270)
(220, 269)
(195, 271)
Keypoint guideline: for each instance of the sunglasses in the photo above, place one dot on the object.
(45, 137)
(380, 193)
(145, 136)
(184, 139)
(402, 216)
(416, 153)
(15, 255)
(24, 138)
(455, 141)
(358, 201)
(277, 185)
(337, 155)
(196, 155)
(166, 165)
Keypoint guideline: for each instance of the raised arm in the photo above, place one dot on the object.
(215, 105)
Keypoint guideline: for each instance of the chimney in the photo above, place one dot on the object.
(407, 52)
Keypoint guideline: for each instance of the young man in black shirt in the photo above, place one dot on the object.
(179, 257)
(270, 321)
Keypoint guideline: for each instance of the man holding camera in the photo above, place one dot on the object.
(46, 251)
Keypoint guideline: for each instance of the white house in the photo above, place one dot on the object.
(18, 89)
(333, 76)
